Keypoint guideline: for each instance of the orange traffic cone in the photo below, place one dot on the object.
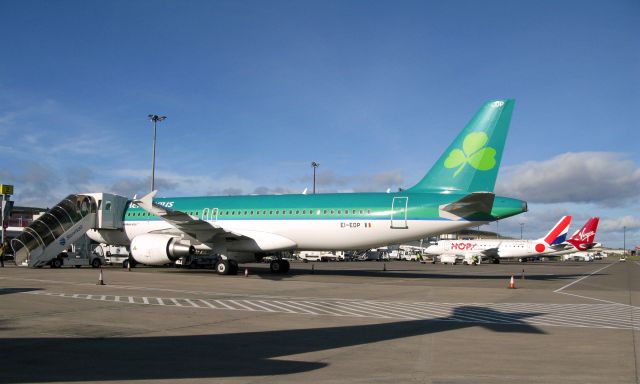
(246, 272)
(512, 283)
(100, 279)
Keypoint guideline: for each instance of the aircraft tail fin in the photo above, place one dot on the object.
(471, 162)
(584, 238)
(558, 234)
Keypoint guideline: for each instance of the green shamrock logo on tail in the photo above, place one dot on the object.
(474, 153)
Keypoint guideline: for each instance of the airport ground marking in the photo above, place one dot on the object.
(597, 316)
(582, 278)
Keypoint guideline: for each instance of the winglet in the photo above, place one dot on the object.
(146, 203)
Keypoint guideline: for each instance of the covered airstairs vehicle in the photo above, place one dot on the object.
(65, 223)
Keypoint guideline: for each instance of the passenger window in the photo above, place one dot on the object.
(339, 211)
(362, 211)
(297, 212)
(304, 211)
(324, 212)
(291, 212)
(353, 212)
(277, 211)
(332, 211)
(245, 213)
(271, 212)
(251, 212)
(368, 211)
(264, 212)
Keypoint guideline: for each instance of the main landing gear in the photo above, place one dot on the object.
(227, 267)
(279, 266)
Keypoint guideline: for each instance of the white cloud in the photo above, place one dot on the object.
(605, 178)
(619, 223)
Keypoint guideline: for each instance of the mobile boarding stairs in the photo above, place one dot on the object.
(65, 223)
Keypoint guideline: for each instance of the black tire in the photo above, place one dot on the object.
(275, 266)
(56, 263)
(96, 263)
(132, 262)
(233, 267)
(285, 266)
(77, 266)
(222, 267)
(125, 264)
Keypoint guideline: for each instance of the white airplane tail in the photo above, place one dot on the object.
(558, 234)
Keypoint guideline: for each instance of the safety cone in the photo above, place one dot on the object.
(512, 283)
(246, 272)
(100, 279)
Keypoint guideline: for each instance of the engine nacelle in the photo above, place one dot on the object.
(153, 249)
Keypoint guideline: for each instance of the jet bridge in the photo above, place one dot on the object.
(64, 224)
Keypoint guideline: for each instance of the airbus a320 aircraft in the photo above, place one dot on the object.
(474, 251)
(456, 193)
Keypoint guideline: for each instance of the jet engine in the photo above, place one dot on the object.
(153, 249)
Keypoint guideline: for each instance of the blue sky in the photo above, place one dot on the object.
(372, 90)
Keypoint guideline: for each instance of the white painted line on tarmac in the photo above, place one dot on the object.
(205, 302)
(582, 278)
(599, 316)
(223, 304)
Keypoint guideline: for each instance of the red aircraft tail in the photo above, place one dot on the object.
(584, 238)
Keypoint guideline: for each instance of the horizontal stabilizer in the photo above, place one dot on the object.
(472, 204)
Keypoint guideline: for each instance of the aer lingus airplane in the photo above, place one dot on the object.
(456, 193)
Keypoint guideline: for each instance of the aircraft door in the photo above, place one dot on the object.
(399, 213)
(214, 215)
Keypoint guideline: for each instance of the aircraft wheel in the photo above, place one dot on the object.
(125, 264)
(222, 267)
(285, 266)
(275, 266)
(56, 263)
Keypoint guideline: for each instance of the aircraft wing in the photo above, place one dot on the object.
(473, 203)
(490, 252)
(198, 230)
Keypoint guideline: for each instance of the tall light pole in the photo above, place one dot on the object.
(624, 241)
(314, 165)
(521, 226)
(155, 119)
